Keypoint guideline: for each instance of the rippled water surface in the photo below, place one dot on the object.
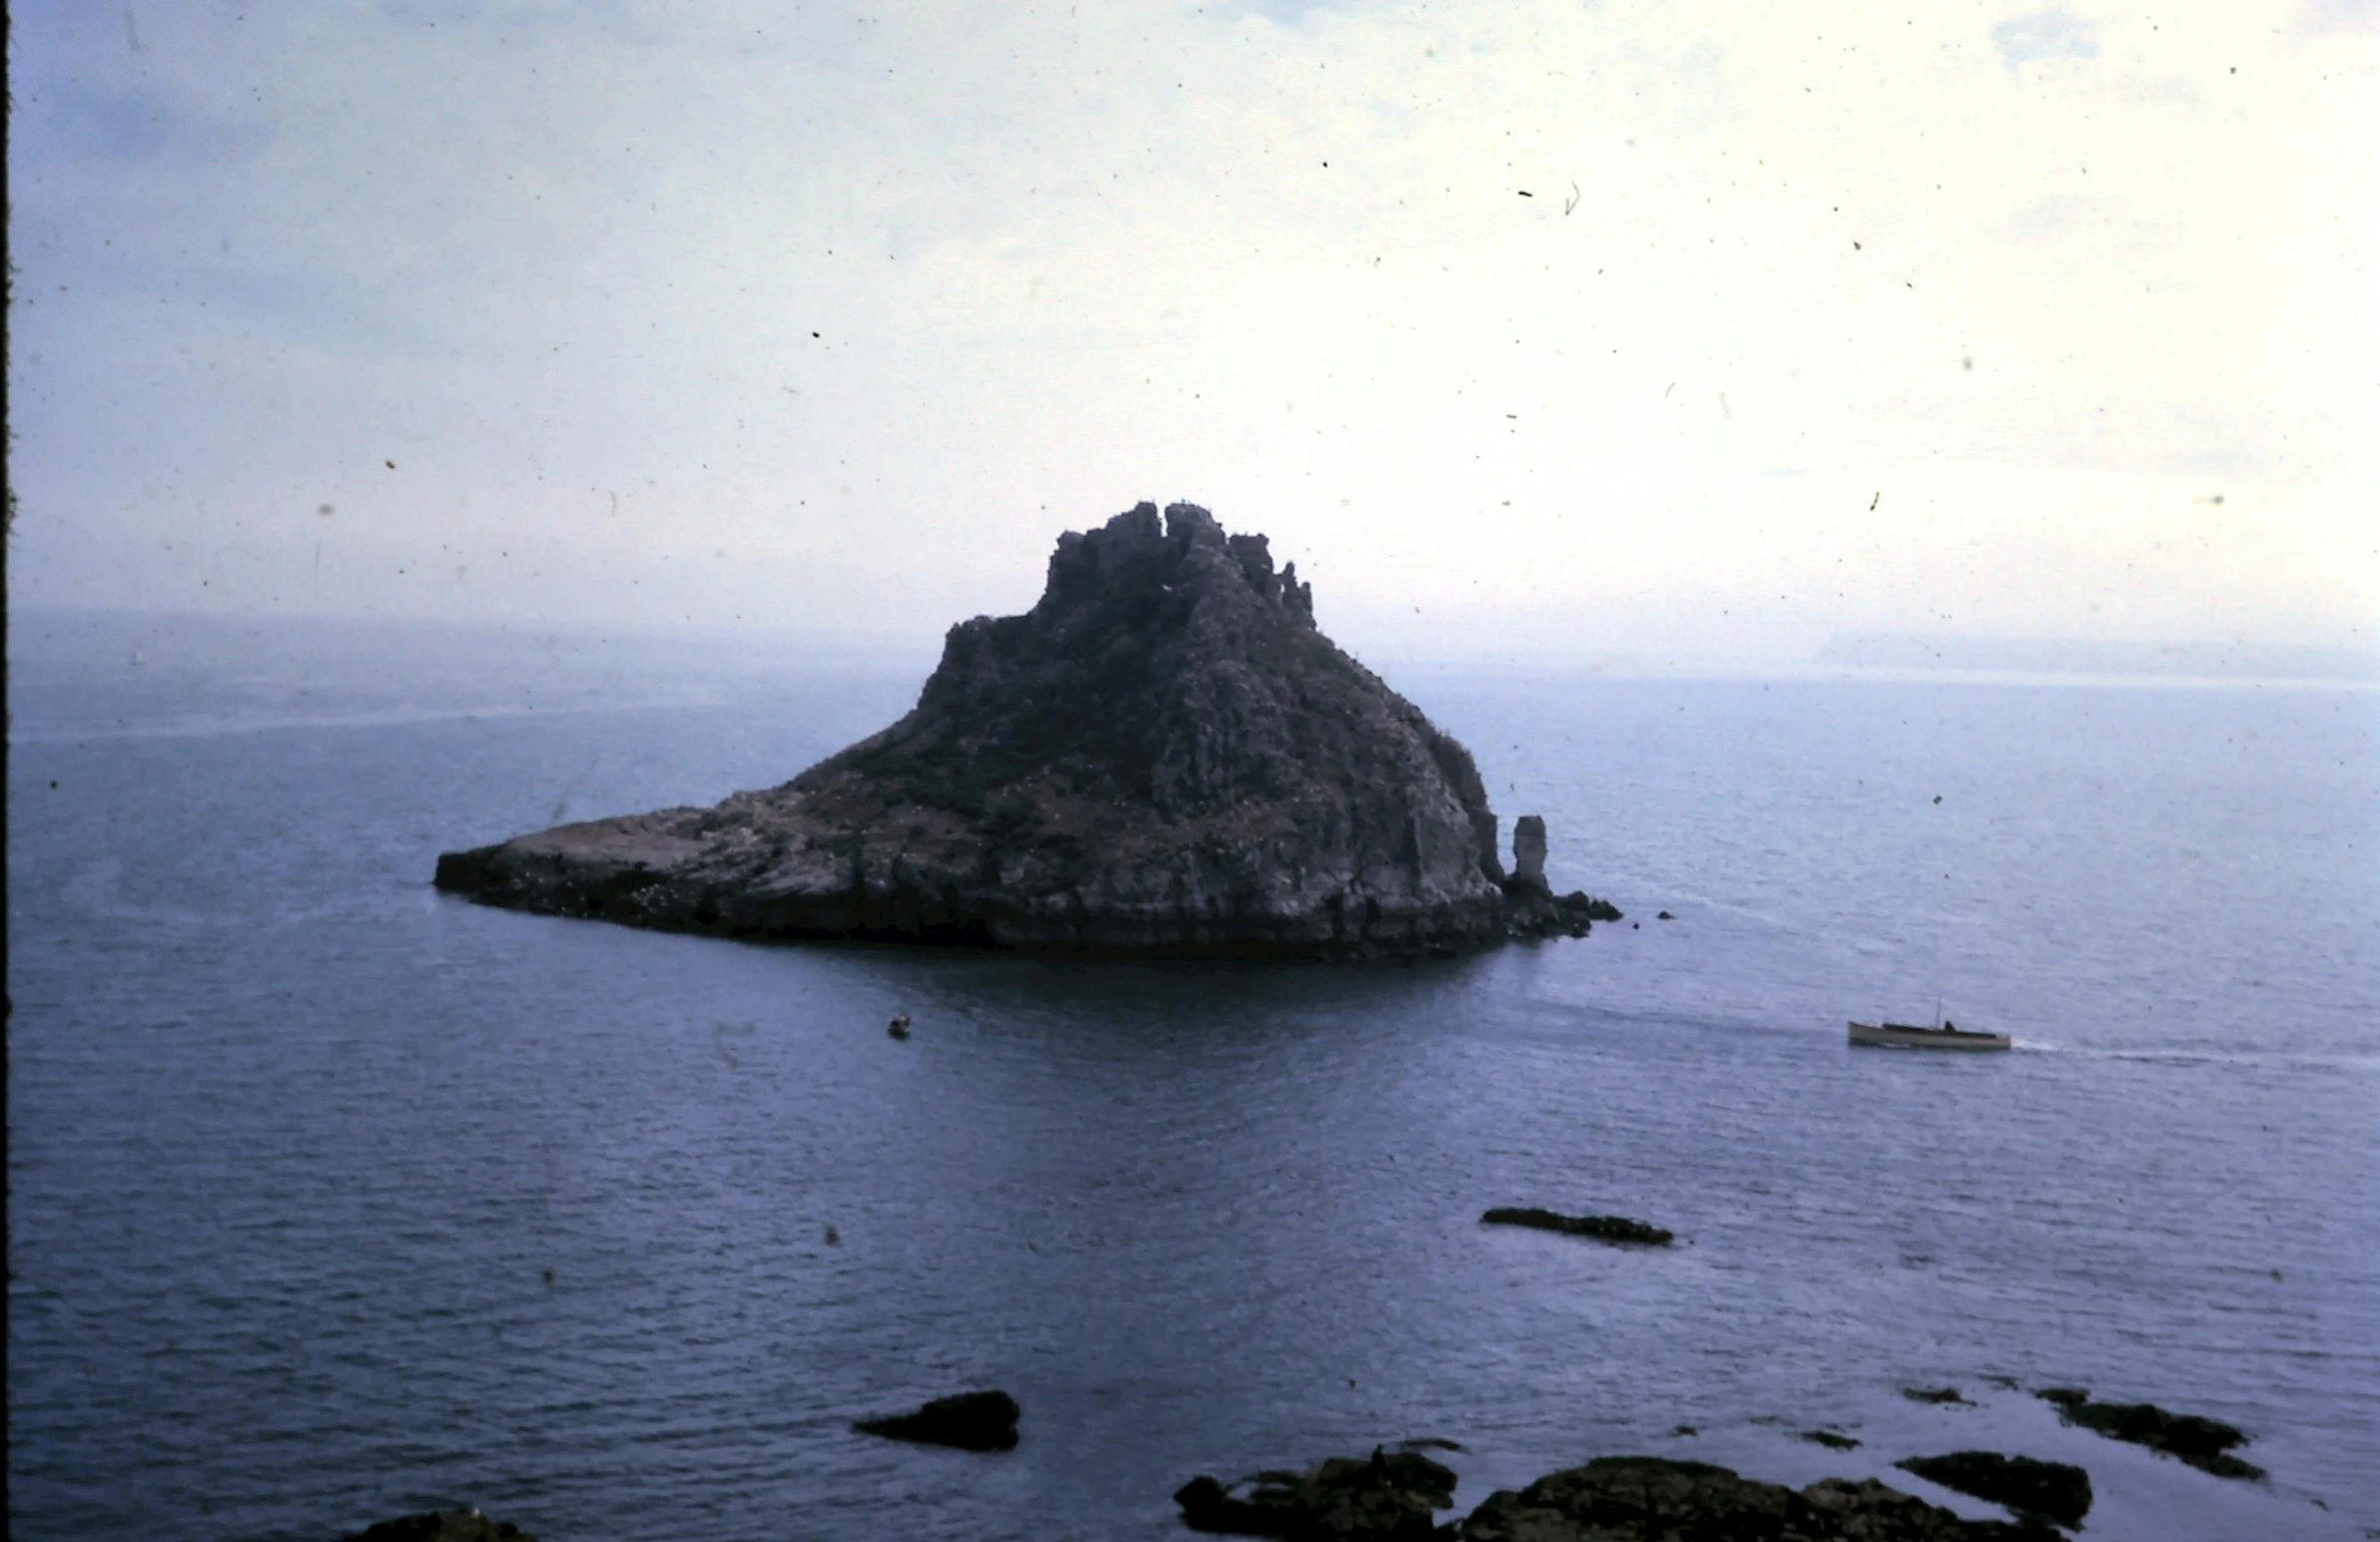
(331, 1198)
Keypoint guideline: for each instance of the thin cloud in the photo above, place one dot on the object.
(2337, 17)
(2051, 34)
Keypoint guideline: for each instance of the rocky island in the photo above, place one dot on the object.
(1162, 758)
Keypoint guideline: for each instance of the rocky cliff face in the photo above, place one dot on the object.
(1162, 757)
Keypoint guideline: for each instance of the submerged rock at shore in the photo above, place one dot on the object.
(2054, 1491)
(1163, 756)
(443, 1526)
(1390, 1497)
(1626, 1498)
(2203, 1442)
(1604, 1229)
(972, 1421)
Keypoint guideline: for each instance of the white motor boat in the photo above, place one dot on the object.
(1909, 1036)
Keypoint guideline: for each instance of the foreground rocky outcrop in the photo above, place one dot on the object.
(1163, 756)
(972, 1421)
(2203, 1442)
(443, 1526)
(1604, 1229)
(1392, 1498)
(1652, 1499)
(2054, 1491)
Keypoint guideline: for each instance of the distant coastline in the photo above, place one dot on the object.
(2075, 656)
(483, 657)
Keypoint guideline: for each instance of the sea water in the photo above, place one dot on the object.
(332, 1198)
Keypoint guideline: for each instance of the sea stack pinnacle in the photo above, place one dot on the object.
(1162, 758)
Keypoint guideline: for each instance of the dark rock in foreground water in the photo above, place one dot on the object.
(972, 1421)
(1338, 1499)
(1626, 1498)
(1832, 1440)
(1608, 1228)
(443, 1526)
(1162, 758)
(2054, 1491)
(1933, 1395)
(2203, 1442)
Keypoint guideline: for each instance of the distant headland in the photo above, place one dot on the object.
(2237, 661)
(1162, 758)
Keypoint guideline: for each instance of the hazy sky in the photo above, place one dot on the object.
(1703, 330)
